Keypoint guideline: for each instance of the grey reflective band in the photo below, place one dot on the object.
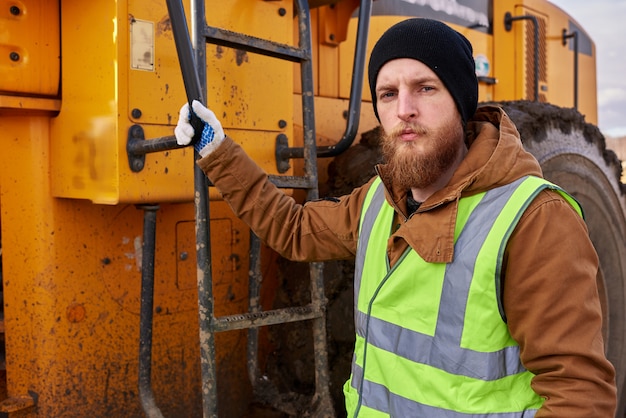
(364, 236)
(456, 285)
(375, 395)
(435, 352)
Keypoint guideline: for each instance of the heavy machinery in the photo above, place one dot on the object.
(129, 290)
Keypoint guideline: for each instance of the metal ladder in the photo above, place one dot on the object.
(194, 74)
(193, 67)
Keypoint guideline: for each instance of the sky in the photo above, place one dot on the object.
(604, 22)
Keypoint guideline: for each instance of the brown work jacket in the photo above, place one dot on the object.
(550, 296)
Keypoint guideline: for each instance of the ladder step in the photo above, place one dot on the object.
(272, 317)
(253, 44)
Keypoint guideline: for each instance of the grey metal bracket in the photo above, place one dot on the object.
(136, 161)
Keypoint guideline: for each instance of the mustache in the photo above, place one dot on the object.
(397, 130)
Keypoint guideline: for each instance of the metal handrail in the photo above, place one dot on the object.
(574, 35)
(284, 153)
(146, 395)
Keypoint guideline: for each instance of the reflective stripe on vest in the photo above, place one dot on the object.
(421, 360)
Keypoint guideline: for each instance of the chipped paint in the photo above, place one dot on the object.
(138, 252)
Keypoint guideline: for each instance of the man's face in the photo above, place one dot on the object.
(423, 133)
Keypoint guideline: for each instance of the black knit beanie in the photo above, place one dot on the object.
(445, 51)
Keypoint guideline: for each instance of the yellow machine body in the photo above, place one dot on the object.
(76, 76)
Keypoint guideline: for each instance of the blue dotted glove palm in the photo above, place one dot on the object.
(212, 132)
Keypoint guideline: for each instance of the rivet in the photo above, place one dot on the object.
(14, 56)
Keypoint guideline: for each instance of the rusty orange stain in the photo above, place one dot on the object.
(76, 312)
(164, 27)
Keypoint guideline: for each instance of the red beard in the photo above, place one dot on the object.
(418, 164)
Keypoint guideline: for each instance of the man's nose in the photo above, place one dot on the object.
(407, 109)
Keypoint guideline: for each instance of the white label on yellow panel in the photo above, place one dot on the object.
(142, 45)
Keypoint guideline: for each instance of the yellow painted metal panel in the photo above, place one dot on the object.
(332, 25)
(328, 71)
(505, 65)
(29, 47)
(155, 91)
(85, 135)
(514, 51)
(19, 105)
(71, 269)
(71, 273)
(247, 91)
(560, 58)
(106, 90)
(24, 248)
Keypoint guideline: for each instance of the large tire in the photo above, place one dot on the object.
(573, 155)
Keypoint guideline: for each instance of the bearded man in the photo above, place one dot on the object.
(475, 279)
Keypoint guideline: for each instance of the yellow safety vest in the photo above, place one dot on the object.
(432, 340)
